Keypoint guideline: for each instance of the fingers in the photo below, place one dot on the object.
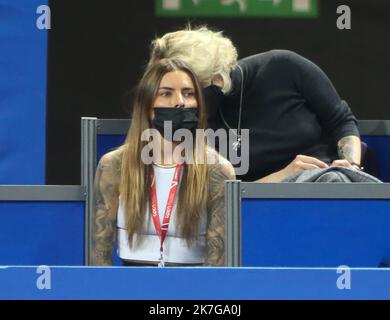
(301, 163)
(306, 166)
(312, 161)
(342, 163)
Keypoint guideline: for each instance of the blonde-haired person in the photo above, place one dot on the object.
(207, 52)
(170, 211)
(296, 118)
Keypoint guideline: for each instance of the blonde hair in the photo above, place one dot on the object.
(135, 181)
(207, 52)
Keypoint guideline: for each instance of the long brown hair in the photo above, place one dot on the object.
(135, 185)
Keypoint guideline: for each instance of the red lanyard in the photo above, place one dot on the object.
(163, 230)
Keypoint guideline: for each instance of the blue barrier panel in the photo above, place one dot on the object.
(193, 283)
(38, 232)
(22, 93)
(315, 232)
(380, 145)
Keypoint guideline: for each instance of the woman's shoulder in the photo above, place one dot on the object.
(111, 162)
(272, 58)
(113, 155)
(264, 66)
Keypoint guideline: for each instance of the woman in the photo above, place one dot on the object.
(171, 211)
(295, 117)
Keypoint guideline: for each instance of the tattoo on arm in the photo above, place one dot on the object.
(349, 148)
(104, 213)
(215, 238)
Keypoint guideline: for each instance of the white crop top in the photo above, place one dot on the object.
(175, 246)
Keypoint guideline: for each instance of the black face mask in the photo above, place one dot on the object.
(182, 118)
(213, 97)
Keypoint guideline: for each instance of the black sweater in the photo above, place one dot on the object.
(290, 107)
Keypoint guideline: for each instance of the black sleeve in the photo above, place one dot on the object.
(321, 96)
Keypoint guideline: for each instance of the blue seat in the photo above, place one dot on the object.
(376, 154)
(369, 161)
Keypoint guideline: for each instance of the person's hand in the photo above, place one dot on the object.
(345, 163)
(341, 163)
(301, 163)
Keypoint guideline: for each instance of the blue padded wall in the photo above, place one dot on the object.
(194, 284)
(315, 233)
(42, 233)
(22, 93)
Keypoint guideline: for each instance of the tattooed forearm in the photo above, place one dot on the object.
(349, 148)
(215, 250)
(215, 237)
(103, 234)
(104, 213)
